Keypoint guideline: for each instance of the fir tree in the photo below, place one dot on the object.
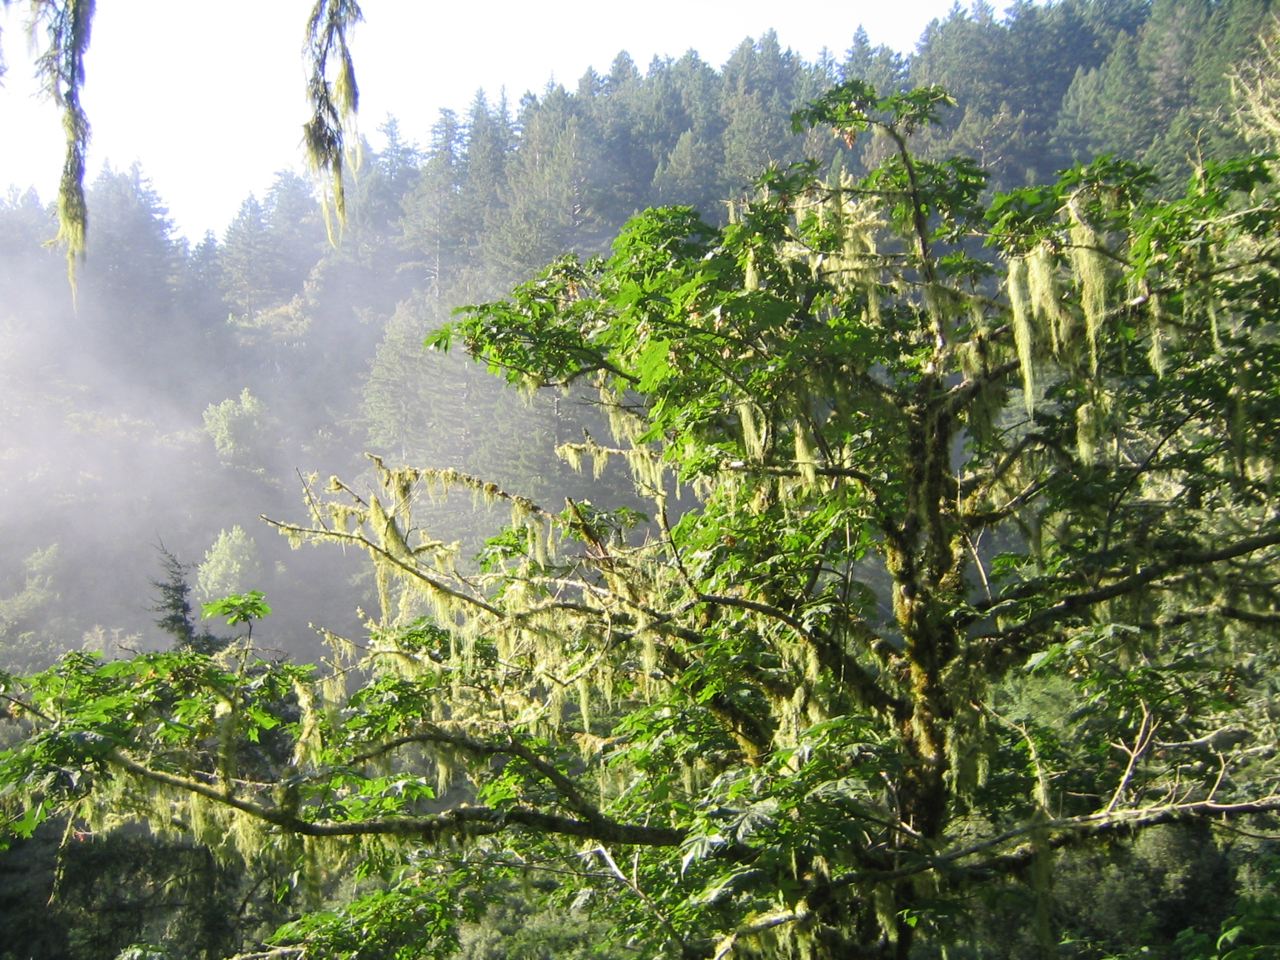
(173, 603)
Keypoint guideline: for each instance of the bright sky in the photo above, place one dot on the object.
(208, 98)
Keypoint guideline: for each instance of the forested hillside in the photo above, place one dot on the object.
(921, 601)
(126, 417)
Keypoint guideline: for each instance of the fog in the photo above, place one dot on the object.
(179, 391)
(110, 417)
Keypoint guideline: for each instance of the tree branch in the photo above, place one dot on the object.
(831, 657)
(467, 821)
(1064, 831)
(1071, 603)
(383, 554)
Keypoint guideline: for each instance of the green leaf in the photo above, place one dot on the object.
(653, 365)
(238, 607)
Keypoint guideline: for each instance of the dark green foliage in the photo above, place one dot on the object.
(1161, 94)
(269, 249)
(417, 918)
(245, 247)
(174, 606)
(433, 213)
(520, 924)
(73, 895)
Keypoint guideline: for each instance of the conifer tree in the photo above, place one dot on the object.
(173, 603)
(432, 222)
(879, 66)
(247, 272)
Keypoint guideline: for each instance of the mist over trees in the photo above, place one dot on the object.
(766, 663)
(214, 371)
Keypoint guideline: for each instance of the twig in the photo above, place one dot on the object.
(1141, 741)
(648, 902)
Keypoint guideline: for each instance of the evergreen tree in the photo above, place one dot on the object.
(248, 272)
(432, 222)
(751, 140)
(490, 140)
(1108, 19)
(762, 84)
(201, 287)
(136, 259)
(395, 171)
(659, 115)
(685, 177)
(553, 201)
(1256, 89)
(879, 66)
(963, 53)
(701, 92)
(412, 398)
(1110, 107)
(1166, 52)
(294, 232)
(173, 603)
(625, 162)
(1230, 40)
(688, 99)
(37, 323)
(764, 68)
(25, 226)
(126, 298)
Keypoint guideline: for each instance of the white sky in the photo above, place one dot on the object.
(208, 98)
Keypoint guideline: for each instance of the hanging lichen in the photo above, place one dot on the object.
(1155, 349)
(1089, 266)
(387, 531)
(647, 470)
(886, 910)
(573, 454)
(1237, 431)
(1086, 434)
(584, 702)
(751, 276)
(1041, 876)
(854, 264)
(806, 454)
(1046, 301)
(1023, 335)
(307, 743)
(936, 299)
(969, 744)
(344, 517)
(626, 426)
(753, 439)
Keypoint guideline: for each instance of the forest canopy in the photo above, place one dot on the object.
(943, 586)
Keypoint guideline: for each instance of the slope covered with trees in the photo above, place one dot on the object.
(939, 599)
(324, 338)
